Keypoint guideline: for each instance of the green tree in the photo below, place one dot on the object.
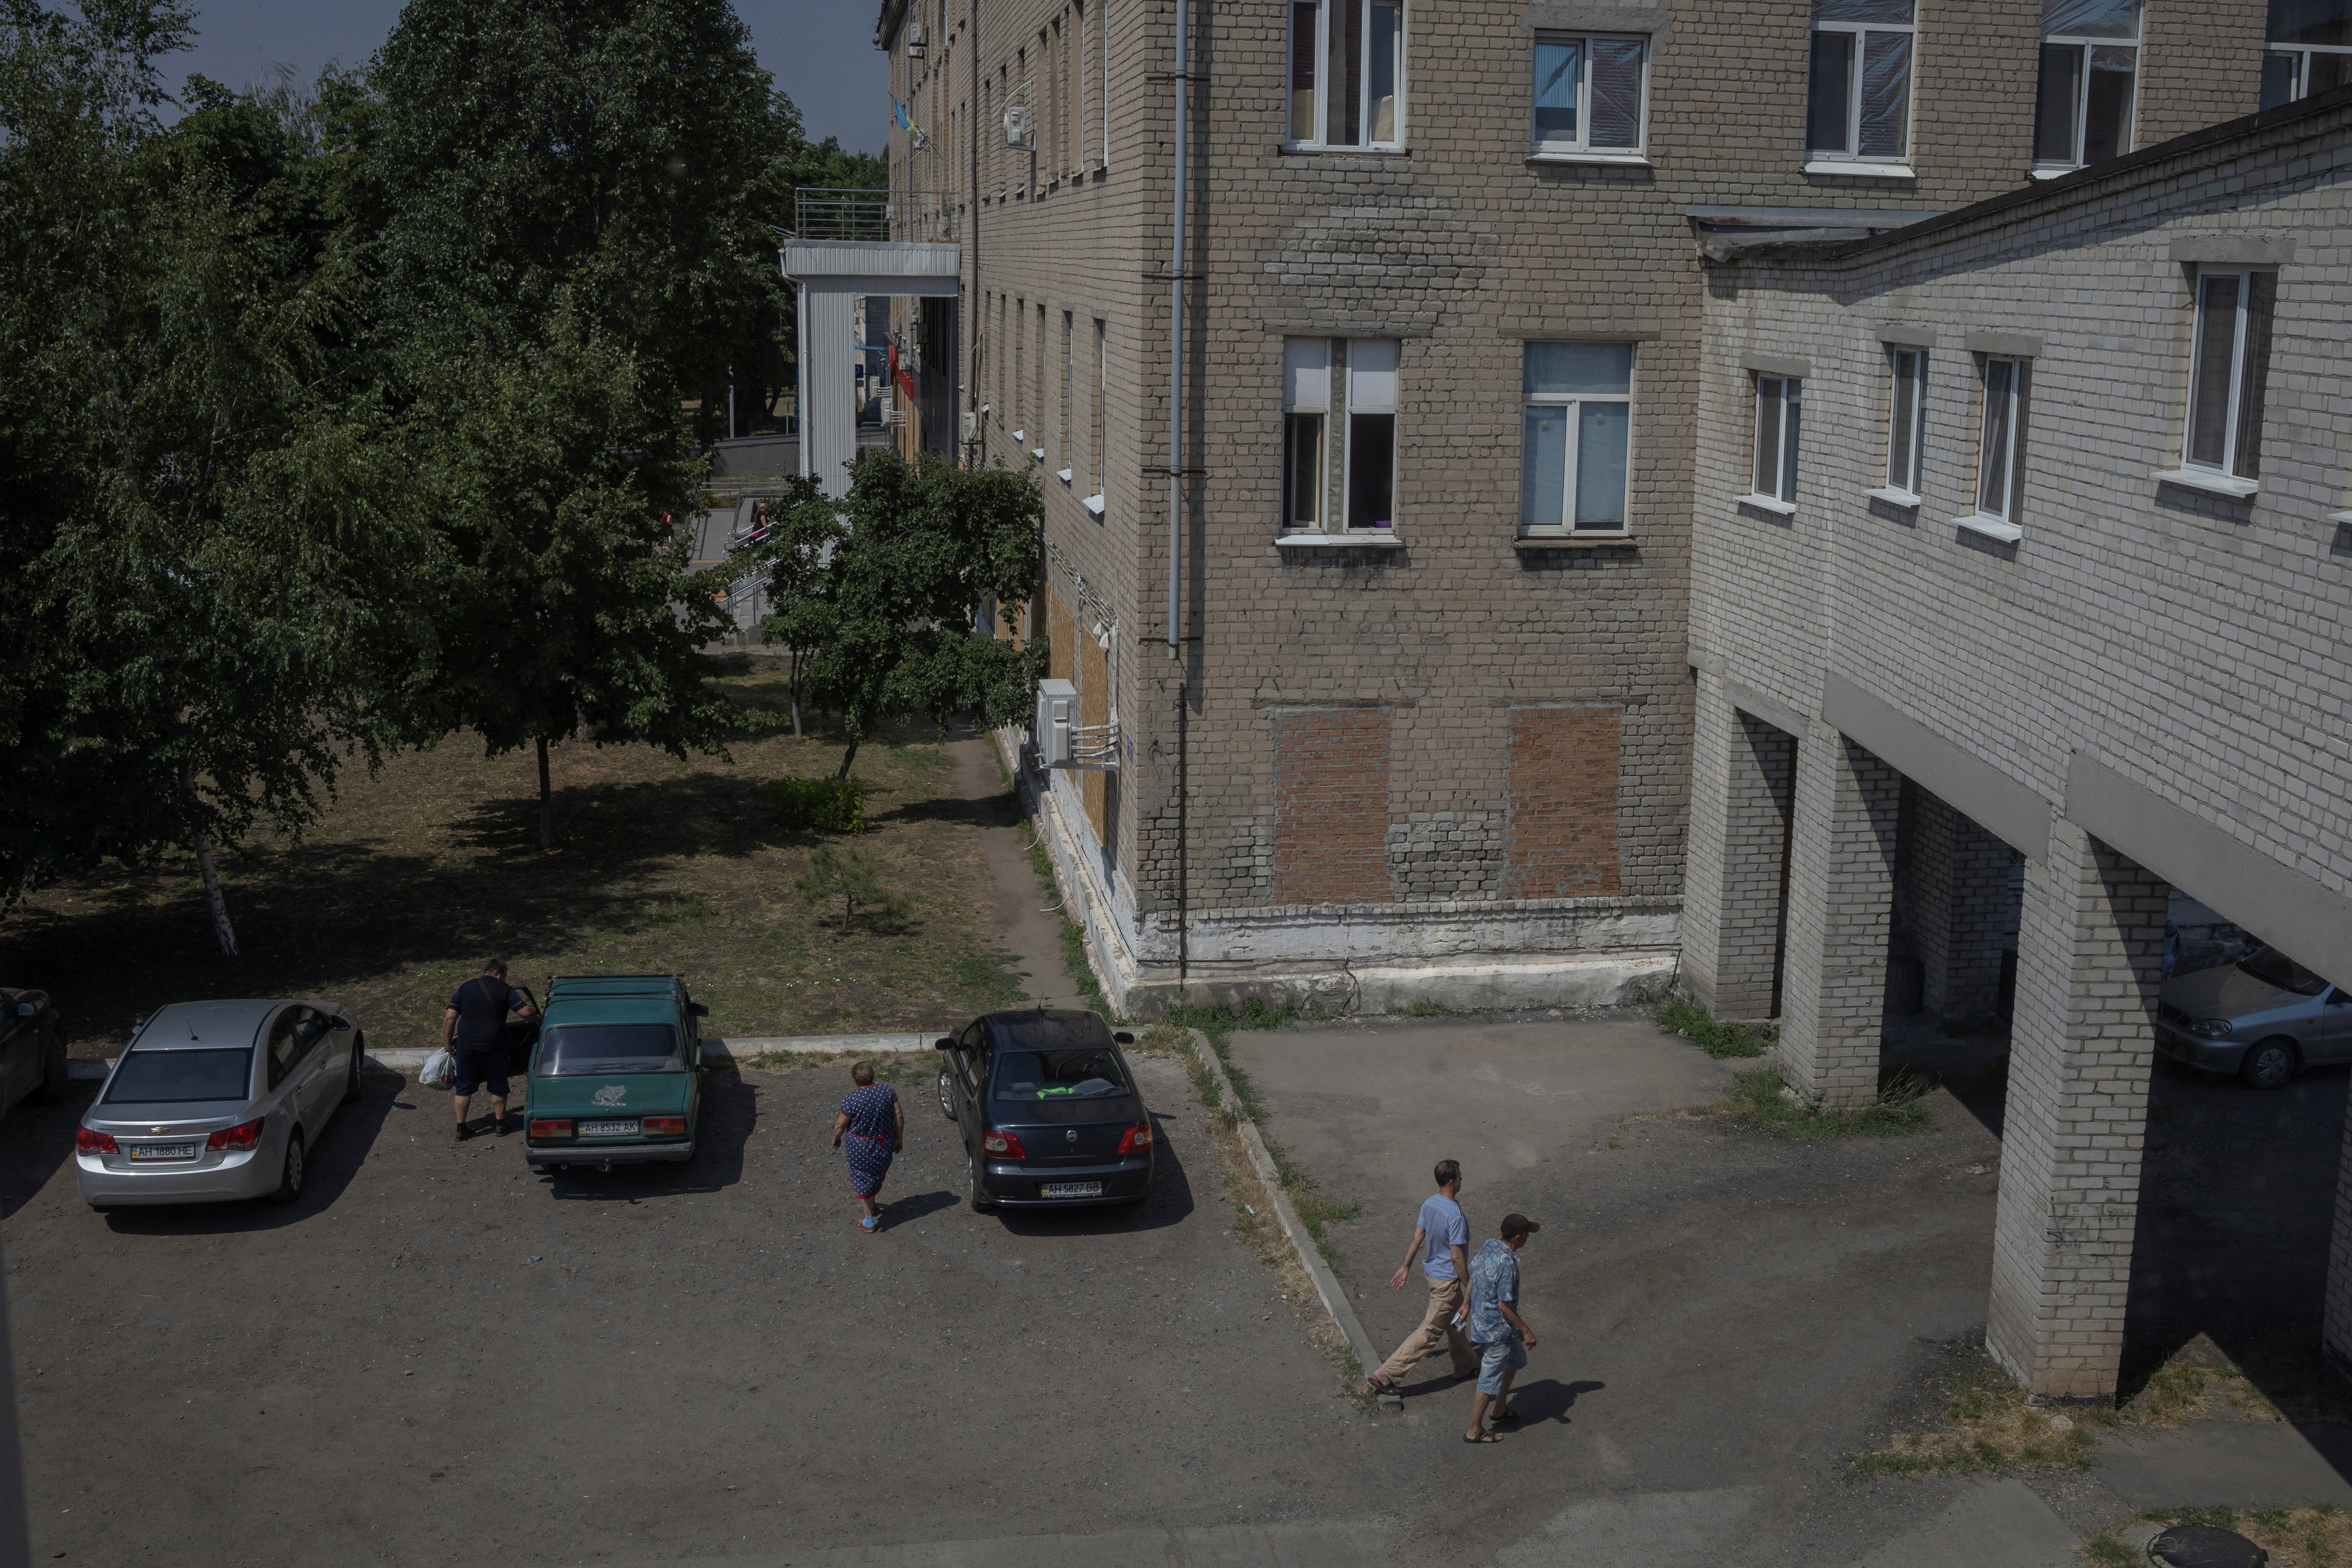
(575, 195)
(925, 546)
(203, 529)
(848, 875)
(796, 557)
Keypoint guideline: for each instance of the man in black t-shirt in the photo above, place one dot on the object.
(474, 1031)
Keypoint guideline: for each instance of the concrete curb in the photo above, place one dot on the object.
(1327, 1284)
(407, 1059)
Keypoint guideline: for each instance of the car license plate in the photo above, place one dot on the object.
(608, 1130)
(165, 1150)
(1069, 1189)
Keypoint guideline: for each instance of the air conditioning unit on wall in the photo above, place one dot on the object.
(1057, 715)
(1018, 131)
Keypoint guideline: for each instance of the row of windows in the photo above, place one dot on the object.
(1339, 437)
(1589, 93)
(1340, 412)
(2220, 443)
(1070, 421)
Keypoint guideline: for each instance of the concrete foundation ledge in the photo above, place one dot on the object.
(1599, 979)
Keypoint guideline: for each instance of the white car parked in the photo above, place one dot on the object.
(217, 1099)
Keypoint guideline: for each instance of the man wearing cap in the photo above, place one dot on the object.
(1502, 1337)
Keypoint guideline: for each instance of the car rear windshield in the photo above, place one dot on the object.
(168, 1078)
(2274, 968)
(1029, 1077)
(570, 1050)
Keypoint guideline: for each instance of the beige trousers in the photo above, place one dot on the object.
(1437, 1328)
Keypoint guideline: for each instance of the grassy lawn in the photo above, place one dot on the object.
(420, 874)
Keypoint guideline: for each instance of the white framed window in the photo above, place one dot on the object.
(2228, 360)
(1069, 393)
(1305, 418)
(1577, 413)
(1858, 101)
(1339, 436)
(2090, 76)
(1907, 420)
(2004, 392)
(1779, 399)
(1347, 74)
(1591, 95)
(2310, 49)
(1096, 502)
(1371, 388)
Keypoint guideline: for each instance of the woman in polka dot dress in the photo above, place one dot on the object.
(875, 1125)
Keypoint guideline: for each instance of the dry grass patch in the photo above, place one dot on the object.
(419, 874)
(1989, 1426)
(2315, 1537)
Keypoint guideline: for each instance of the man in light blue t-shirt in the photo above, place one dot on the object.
(1441, 1239)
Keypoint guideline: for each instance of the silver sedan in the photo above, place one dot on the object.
(2265, 1017)
(217, 1099)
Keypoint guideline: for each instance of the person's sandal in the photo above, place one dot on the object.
(503, 1125)
(1511, 1413)
(1481, 1438)
(464, 1132)
(868, 1223)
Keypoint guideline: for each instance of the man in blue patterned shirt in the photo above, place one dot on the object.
(1502, 1337)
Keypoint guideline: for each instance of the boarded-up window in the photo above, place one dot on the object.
(1563, 836)
(1331, 806)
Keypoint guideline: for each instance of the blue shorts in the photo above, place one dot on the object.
(1495, 1360)
(480, 1067)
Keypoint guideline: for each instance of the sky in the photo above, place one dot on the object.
(821, 52)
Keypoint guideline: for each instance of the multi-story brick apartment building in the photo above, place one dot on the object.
(2059, 550)
(1428, 732)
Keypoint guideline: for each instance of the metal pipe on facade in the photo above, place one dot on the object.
(1182, 82)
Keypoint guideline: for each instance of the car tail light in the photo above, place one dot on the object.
(243, 1135)
(656, 1125)
(1136, 1140)
(552, 1127)
(88, 1143)
(1003, 1145)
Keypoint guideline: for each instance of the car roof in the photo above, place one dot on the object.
(192, 1026)
(1047, 1029)
(642, 1008)
(572, 985)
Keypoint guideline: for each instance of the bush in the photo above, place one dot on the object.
(828, 805)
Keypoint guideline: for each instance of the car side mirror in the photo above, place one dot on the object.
(343, 1026)
(698, 1010)
(1122, 1039)
(942, 1043)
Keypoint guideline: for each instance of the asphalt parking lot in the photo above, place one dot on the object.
(436, 1357)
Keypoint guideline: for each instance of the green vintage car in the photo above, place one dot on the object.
(616, 1077)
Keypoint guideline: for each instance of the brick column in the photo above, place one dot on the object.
(2090, 954)
(1841, 895)
(1738, 831)
(1962, 908)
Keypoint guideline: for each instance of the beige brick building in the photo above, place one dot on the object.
(2047, 581)
(1428, 733)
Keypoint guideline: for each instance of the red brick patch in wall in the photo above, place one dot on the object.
(1331, 806)
(1563, 836)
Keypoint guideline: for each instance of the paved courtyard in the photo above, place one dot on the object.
(438, 1358)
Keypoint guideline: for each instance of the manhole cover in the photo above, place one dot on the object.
(2202, 1546)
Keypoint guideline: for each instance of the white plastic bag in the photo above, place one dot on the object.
(439, 1069)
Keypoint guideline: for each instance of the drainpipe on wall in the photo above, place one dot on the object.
(1181, 81)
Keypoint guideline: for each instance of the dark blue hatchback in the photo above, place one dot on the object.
(1050, 1113)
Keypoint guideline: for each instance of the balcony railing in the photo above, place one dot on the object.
(922, 216)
